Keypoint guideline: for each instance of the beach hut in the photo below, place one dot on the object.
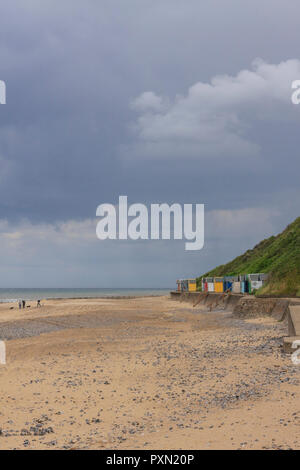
(244, 284)
(236, 285)
(219, 284)
(205, 284)
(254, 282)
(178, 282)
(228, 282)
(210, 284)
(192, 285)
(184, 285)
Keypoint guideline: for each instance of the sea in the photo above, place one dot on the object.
(16, 294)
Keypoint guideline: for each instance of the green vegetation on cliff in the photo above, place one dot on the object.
(279, 256)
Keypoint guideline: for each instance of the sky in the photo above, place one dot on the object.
(165, 102)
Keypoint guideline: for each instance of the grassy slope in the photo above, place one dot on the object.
(279, 256)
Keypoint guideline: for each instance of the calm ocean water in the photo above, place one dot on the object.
(13, 295)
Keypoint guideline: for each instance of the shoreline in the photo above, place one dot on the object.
(118, 297)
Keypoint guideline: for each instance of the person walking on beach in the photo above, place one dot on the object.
(38, 304)
(20, 304)
(23, 303)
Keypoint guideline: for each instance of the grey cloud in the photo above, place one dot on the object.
(212, 119)
(73, 71)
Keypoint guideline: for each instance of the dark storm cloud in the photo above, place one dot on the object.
(73, 70)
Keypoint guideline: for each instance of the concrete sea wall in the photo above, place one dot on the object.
(242, 306)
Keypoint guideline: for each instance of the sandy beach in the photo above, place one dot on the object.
(144, 373)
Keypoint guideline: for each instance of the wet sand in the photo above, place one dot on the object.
(145, 373)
